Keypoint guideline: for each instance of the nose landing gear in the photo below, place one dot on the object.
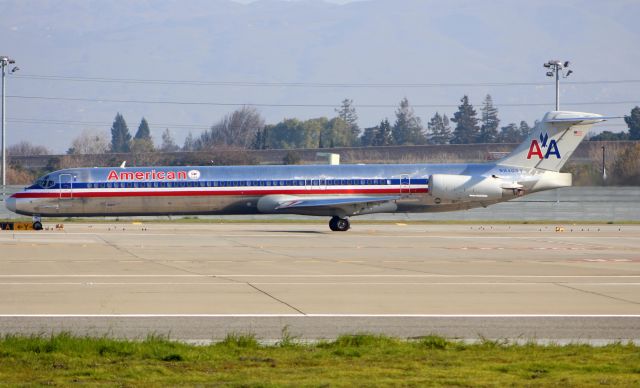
(338, 224)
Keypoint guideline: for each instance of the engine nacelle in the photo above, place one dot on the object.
(445, 187)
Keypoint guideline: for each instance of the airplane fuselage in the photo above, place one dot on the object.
(239, 189)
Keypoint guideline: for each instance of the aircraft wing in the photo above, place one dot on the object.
(335, 201)
(328, 205)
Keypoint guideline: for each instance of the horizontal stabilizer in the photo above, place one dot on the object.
(582, 119)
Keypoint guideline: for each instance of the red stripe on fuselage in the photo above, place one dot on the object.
(179, 193)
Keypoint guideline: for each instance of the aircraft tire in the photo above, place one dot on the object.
(342, 224)
(37, 225)
(332, 224)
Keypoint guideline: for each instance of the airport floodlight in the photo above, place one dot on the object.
(556, 69)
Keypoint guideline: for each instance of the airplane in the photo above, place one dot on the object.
(335, 191)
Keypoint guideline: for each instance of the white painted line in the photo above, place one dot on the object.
(310, 283)
(328, 315)
(408, 276)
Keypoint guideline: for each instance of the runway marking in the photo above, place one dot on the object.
(223, 275)
(327, 315)
(310, 283)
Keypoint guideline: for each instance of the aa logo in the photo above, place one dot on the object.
(535, 149)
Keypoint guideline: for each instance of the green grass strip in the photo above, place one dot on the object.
(353, 360)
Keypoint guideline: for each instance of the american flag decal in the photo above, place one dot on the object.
(577, 133)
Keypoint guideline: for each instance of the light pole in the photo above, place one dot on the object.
(4, 62)
(556, 69)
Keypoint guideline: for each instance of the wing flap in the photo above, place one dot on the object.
(333, 201)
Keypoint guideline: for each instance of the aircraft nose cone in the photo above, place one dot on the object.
(10, 203)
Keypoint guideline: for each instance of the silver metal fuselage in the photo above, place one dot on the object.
(205, 190)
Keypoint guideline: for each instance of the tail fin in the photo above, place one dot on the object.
(552, 141)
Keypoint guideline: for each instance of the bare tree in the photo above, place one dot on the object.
(25, 148)
(237, 129)
(168, 144)
(90, 142)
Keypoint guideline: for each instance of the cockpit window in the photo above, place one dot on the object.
(45, 182)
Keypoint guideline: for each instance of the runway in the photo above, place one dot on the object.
(200, 281)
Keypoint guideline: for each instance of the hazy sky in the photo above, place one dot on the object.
(182, 64)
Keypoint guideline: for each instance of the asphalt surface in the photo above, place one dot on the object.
(199, 282)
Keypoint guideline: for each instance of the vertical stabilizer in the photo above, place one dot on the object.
(552, 141)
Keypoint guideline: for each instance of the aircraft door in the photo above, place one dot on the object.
(66, 186)
(405, 184)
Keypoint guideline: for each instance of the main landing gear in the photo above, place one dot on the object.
(37, 223)
(338, 224)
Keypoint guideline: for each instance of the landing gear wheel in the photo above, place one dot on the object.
(37, 225)
(338, 224)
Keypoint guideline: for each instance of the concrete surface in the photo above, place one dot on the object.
(201, 281)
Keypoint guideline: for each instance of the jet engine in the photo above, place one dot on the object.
(445, 187)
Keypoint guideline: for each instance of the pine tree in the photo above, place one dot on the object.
(368, 136)
(525, 129)
(408, 128)
(143, 130)
(142, 141)
(466, 130)
(120, 136)
(347, 112)
(383, 136)
(439, 130)
(168, 144)
(633, 122)
(489, 122)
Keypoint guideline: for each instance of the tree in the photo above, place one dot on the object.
(610, 136)
(368, 136)
(383, 136)
(142, 141)
(489, 122)
(143, 130)
(633, 122)
(510, 134)
(238, 129)
(90, 142)
(25, 148)
(168, 144)
(439, 129)
(626, 169)
(466, 130)
(525, 129)
(347, 112)
(336, 133)
(408, 128)
(189, 143)
(289, 133)
(120, 136)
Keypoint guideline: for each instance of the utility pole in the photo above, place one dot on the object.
(556, 69)
(4, 62)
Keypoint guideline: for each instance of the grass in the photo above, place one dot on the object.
(369, 360)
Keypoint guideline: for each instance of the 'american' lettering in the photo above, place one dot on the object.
(146, 175)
